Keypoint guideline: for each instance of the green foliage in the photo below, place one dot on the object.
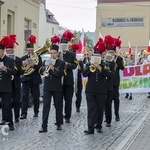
(89, 41)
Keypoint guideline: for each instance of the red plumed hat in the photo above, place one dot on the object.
(117, 42)
(74, 46)
(111, 43)
(55, 39)
(100, 46)
(32, 41)
(9, 41)
(67, 35)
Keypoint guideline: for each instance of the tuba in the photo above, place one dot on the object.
(35, 59)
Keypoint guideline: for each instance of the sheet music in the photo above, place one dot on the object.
(95, 59)
(50, 61)
(1, 64)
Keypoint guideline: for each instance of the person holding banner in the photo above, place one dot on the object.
(96, 89)
(112, 44)
(129, 62)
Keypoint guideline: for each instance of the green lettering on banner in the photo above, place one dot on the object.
(146, 82)
(135, 83)
(127, 84)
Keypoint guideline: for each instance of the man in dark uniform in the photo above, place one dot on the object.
(7, 69)
(96, 92)
(109, 64)
(78, 76)
(68, 82)
(31, 79)
(53, 87)
(118, 65)
(16, 82)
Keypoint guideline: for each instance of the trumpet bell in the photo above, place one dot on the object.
(92, 68)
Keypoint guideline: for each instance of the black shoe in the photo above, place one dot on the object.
(23, 116)
(89, 131)
(67, 120)
(36, 115)
(59, 127)
(99, 130)
(3, 122)
(148, 96)
(17, 120)
(42, 130)
(127, 95)
(11, 127)
(108, 125)
(130, 98)
(117, 119)
(78, 110)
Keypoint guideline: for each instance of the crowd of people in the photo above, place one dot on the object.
(102, 68)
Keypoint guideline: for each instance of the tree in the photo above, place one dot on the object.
(89, 41)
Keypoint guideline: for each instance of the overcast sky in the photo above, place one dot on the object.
(74, 14)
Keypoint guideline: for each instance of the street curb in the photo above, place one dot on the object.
(126, 143)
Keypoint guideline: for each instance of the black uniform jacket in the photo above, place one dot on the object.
(5, 77)
(17, 80)
(71, 60)
(54, 81)
(96, 83)
(35, 75)
(110, 67)
(119, 66)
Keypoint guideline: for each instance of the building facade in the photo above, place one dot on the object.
(20, 18)
(48, 25)
(129, 19)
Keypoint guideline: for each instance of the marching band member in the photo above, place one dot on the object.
(111, 45)
(68, 82)
(16, 82)
(7, 69)
(78, 77)
(31, 80)
(96, 90)
(53, 88)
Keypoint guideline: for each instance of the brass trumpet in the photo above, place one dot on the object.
(46, 71)
(92, 68)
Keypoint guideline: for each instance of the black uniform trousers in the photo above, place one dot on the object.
(16, 103)
(35, 91)
(79, 94)
(68, 95)
(7, 107)
(58, 103)
(108, 107)
(16, 94)
(95, 108)
(116, 100)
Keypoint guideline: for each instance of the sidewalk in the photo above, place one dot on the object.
(134, 115)
(142, 142)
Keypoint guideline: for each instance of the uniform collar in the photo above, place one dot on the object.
(2, 57)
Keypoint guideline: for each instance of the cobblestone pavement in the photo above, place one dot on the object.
(71, 137)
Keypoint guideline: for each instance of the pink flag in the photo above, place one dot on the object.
(81, 43)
